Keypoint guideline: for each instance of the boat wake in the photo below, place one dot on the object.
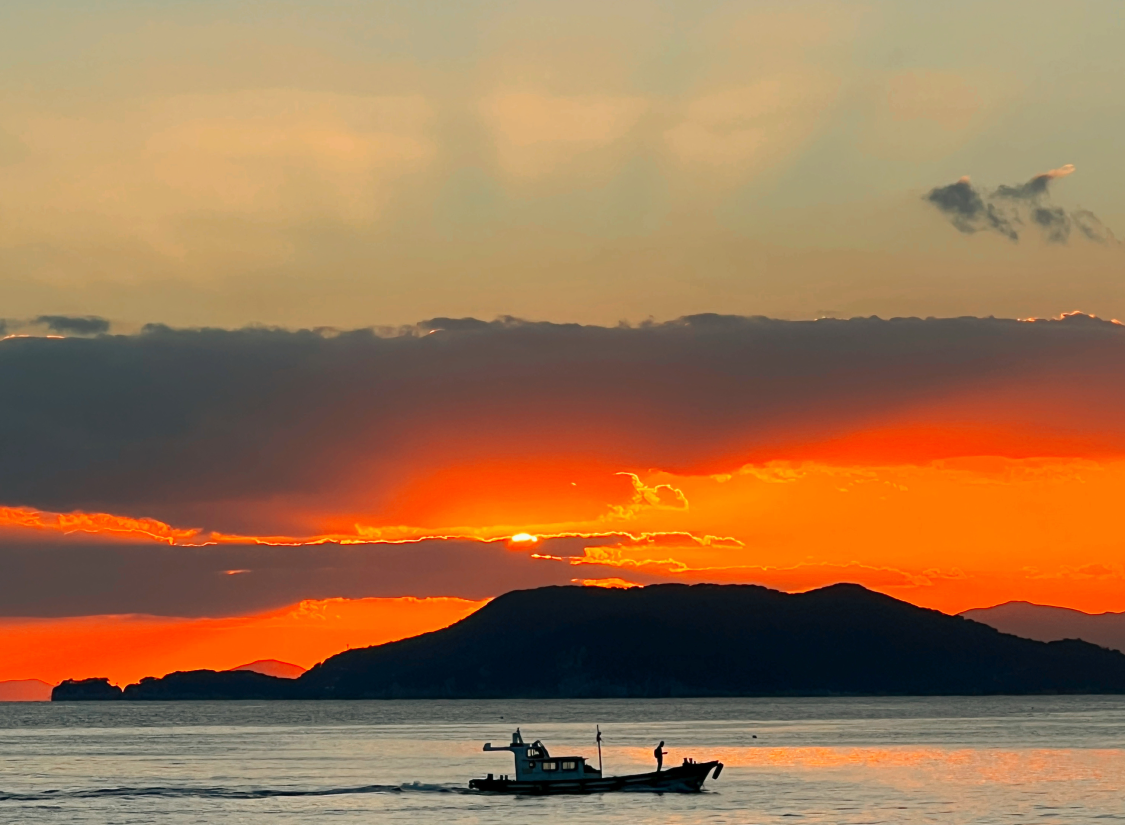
(222, 793)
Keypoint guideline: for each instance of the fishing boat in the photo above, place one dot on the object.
(537, 772)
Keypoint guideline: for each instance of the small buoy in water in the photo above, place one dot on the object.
(755, 736)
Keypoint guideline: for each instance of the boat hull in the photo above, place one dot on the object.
(682, 779)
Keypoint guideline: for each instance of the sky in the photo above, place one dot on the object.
(325, 323)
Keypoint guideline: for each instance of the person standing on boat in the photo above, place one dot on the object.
(659, 753)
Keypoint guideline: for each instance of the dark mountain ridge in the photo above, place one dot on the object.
(681, 640)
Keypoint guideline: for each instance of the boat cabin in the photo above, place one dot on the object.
(535, 764)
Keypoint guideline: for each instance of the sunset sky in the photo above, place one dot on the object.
(325, 323)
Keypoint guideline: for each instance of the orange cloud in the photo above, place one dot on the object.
(658, 495)
(93, 524)
(610, 582)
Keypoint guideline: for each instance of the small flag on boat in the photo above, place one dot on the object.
(599, 740)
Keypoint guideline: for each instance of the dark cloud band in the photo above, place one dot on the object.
(200, 427)
(81, 578)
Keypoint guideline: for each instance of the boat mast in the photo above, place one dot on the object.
(599, 748)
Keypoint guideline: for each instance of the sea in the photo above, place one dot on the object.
(839, 760)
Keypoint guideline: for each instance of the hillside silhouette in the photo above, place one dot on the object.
(95, 689)
(681, 640)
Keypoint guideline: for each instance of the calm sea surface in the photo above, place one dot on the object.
(1004, 760)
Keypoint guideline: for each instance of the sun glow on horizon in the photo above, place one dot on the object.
(951, 535)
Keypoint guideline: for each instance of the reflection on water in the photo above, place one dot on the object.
(1055, 759)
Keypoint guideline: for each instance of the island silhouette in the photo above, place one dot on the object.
(272, 667)
(673, 640)
(1048, 624)
(24, 690)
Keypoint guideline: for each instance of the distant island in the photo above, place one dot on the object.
(1047, 624)
(272, 667)
(24, 690)
(673, 640)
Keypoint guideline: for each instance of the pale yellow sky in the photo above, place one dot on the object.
(349, 164)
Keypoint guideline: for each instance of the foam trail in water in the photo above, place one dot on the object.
(222, 793)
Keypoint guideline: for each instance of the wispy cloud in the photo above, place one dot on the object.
(66, 324)
(1008, 210)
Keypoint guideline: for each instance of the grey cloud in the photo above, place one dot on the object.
(1054, 222)
(66, 324)
(1032, 190)
(1092, 228)
(1006, 210)
(961, 202)
(84, 578)
(967, 210)
(247, 430)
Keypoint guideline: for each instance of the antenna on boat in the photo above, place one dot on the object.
(599, 738)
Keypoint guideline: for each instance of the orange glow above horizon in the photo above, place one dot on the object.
(951, 535)
(127, 648)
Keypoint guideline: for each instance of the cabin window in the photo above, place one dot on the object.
(533, 753)
(570, 766)
(550, 766)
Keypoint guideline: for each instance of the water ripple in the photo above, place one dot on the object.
(222, 793)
